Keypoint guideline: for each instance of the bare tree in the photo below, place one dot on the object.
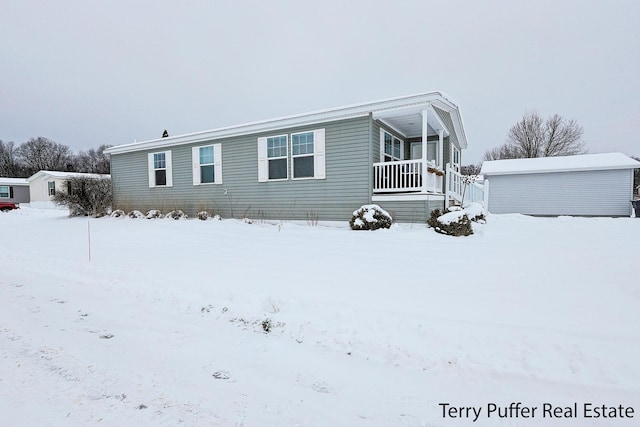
(44, 154)
(93, 161)
(470, 170)
(10, 166)
(534, 137)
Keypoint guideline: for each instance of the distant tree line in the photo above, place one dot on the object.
(41, 153)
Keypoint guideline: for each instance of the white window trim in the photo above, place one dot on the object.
(168, 168)
(383, 131)
(217, 164)
(319, 157)
(49, 188)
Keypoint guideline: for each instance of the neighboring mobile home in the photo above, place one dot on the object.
(315, 166)
(14, 190)
(582, 185)
(43, 185)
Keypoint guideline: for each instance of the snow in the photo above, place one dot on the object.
(14, 181)
(580, 162)
(66, 175)
(472, 211)
(164, 326)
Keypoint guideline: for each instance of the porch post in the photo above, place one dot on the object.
(441, 148)
(425, 129)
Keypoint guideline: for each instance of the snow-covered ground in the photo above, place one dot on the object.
(165, 325)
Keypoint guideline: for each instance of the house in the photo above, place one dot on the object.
(320, 165)
(43, 185)
(584, 185)
(14, 190)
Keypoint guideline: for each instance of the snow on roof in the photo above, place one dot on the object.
(14, 181)
(66, 175)
(437, 99)
(581, 162)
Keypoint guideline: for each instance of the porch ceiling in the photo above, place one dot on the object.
(409, 121)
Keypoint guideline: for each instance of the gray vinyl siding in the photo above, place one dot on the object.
(411, 210)
(585, 193)
(20, 193)
(347, 185)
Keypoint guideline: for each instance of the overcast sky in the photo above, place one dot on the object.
(85, 73)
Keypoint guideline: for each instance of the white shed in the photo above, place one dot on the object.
(582, 185)
(44, 184)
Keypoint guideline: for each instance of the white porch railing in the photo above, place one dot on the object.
(404, 176)
(455, 188)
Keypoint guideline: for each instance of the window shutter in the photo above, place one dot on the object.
(11, 192)
(263, 161)
(319, 154)
(167, 156)
(217, 163)
(195, 165)
(152, 176)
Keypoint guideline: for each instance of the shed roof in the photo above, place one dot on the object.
(581, 162)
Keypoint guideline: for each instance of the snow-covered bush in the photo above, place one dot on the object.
(177, 214)
(370, 217)
(217, 217)
(135, 214)
(203, 215)
(118, 213)
(153, 214)
(455, 223)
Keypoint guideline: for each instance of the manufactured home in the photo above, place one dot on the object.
(14, 190)
(43, 185)
(403, 154)
(581, 185)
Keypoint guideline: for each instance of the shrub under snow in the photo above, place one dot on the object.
(154, 213)
(135, 214)
(177, 214)
(456, 222)
(203, 215)
(370, 217)
(118, 213)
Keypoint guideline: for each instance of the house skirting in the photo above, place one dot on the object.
(409, 207)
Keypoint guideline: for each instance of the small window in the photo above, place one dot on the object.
(52, 188)
(277, 155)
(302, 155)
(160, 169)
(207, 164)
(5, 193)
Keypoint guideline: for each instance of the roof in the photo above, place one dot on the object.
(437, 99)
(14, 181)
(65, 175)
(581, 162)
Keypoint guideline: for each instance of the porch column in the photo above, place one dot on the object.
(441, 148)
(425, 130)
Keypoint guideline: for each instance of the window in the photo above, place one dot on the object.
(302, 155)
(51, 185)
(277, 155)
(391, 147)
(160, 170)
(5, 192)
(307, 156)
(207, 164)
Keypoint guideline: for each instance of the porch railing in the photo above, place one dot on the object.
(404, 176)
(455, 188)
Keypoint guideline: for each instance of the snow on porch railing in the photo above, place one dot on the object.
(404, 176)
(455, 188)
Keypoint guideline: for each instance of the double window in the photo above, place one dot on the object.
(160, 169)
(297, 156)
(207, 164)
